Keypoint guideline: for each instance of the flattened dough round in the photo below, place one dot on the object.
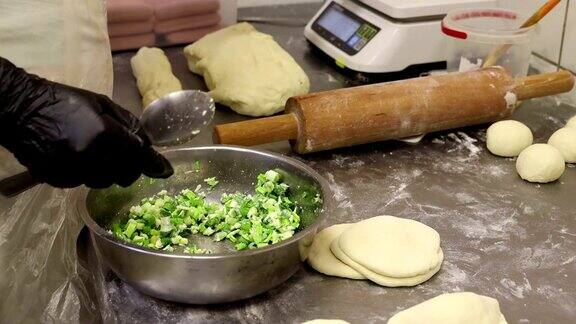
(571, 122)
(380, 279)
(455, 308)
(392, 246)
(508, 138)
(321, 258)
(564, 140)
(540, 163)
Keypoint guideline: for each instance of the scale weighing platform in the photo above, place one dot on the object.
(382, 36)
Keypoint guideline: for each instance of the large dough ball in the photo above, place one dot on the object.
(247, 70)
(571, 122)
(540, 163)
(564, 140)
(455, 308)
(508, 138)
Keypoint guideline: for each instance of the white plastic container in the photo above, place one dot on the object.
(473, 34)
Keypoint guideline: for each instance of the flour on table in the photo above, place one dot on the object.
(516, 289)
(338, 192)
(528, 210)
(464, 141)
(346, 162)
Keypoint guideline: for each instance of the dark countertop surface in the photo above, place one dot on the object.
(502, 237)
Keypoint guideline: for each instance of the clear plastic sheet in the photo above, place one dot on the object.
(65, 41)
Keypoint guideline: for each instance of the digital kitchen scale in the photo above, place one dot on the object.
(381, 36)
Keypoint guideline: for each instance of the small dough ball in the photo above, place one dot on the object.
(326, 321)
(540, 163)
(508, 138)
(564, 140)
(455, 308)
(571, 122)
(321, 258)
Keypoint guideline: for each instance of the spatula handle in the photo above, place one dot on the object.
(541, 85)
(17, 184)
(257, 131)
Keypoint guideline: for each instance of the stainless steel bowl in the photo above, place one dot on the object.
(227, 275)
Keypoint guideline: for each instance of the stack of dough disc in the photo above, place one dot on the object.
(387, 250)
(321, 258)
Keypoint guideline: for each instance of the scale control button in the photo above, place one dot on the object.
(360, 44)
(352, 41)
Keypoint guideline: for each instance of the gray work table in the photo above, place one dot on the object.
(502, 237)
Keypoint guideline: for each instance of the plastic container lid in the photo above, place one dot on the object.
(486, 25)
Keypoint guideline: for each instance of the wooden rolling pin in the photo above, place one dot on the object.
(394, 110)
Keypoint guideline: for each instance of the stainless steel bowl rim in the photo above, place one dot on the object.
(80, 195)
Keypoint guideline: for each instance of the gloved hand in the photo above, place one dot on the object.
(67, 136)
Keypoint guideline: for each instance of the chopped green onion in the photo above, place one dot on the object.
(212, 182)
(193, 249)
(248, 221)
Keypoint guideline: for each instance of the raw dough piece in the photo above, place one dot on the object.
(326, 321)
(392, 246)
(571, 122)
(153, 74)
(508, 138)
(455, 308)
(383, 280)
(390, 251)
(564, 140)
(540, 163)
(321, 258)
(247, 70)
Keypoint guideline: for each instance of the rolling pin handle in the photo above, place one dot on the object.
(541, 85)
(257, 131)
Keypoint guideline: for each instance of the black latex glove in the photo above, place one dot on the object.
(67, 136)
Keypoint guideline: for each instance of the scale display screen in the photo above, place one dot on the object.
(344, 29)
(338, 24)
